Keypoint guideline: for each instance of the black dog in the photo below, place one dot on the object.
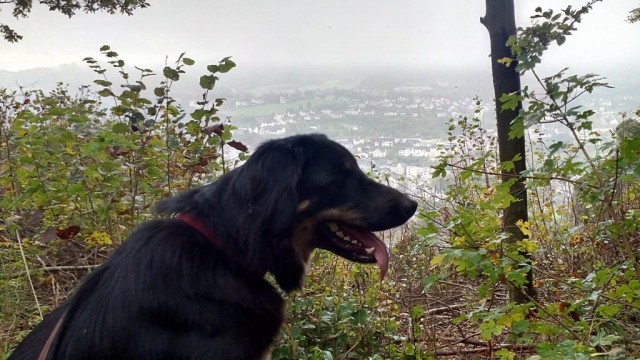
(193, 287)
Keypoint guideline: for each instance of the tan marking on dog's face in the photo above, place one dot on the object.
(267, 355)
(342, 215)
(303, 238)
(303, 205)
(304, 231)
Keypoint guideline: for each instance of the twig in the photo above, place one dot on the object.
(465, 340)
(440, 310)
(516, 347)
(525, 177)
(458, 285)
(63, 268)
(59, 268)
(26, 266)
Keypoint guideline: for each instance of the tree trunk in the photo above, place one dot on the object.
(500, 22)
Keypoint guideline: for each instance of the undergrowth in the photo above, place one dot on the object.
(78, 170)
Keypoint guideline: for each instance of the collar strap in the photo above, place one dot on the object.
(202, 229)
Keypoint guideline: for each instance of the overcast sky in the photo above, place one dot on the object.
(309, 32)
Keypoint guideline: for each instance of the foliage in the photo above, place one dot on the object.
(77, 174)
(583, 228)
(22, 9)
(628, 128)
(587, 300)
(345, 312)
(634, 15)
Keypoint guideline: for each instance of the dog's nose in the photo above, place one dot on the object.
(408, 206)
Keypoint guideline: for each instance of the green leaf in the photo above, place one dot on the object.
(516, 130)
(561, 39)
(555, 147)
(509, 101)
(105, 92)
(609, 311)
(602, 339)
(428, 281)
(213, 68)
(489, 329)
(207, 82)
(505, 354)
(520, 326)
(56, 111)
(507, 166)
(417, 312)
(105, 48)
(120, 128)
(171, 74)
(359, 317)
(226, 65)
(585, 125)
(159, 91)
(188, 61)
(77, 119)
(198, 114)
(103, 82)
(75, 188)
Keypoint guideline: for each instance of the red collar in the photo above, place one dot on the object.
(202, 229)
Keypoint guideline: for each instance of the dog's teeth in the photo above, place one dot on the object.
(333, 227)
(370, 250)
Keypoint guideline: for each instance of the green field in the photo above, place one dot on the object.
(269, 109)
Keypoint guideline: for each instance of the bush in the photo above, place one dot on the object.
(78, 175)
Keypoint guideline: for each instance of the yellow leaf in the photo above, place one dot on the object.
(98, 238)
(505, 61)
(524, 227)
(437, 260)
(69, 150)
(529, 245)
(508, 319)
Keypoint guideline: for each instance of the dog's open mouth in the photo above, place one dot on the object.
(356, 245)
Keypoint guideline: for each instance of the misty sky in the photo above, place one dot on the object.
(304, 32)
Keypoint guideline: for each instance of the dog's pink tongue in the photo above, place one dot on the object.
(381, 252)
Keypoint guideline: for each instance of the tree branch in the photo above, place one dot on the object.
(525, 177)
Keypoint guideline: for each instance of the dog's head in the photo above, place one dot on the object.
(297, 194)
(317, 197)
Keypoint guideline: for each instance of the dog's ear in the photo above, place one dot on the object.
(270, 179)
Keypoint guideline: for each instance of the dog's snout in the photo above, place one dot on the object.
(408, 206)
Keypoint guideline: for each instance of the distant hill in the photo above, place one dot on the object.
(46, 78)
(247, 79)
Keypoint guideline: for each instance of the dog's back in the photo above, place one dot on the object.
(164, 294)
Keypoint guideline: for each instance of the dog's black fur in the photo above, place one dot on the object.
(170, 293)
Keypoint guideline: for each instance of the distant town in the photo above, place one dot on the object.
(400, 131)
(393, 120)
